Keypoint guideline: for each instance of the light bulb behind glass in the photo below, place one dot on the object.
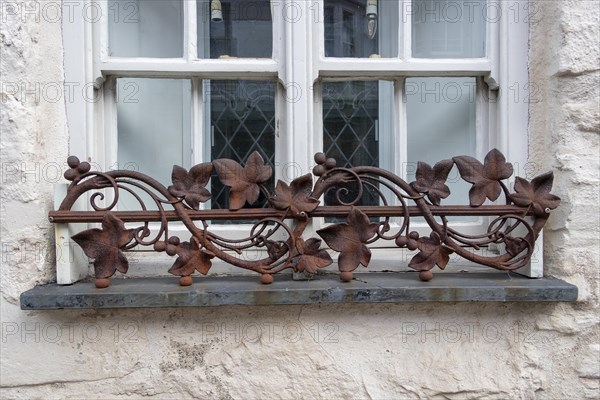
(371, 12)
(372, 27)
(216, 13)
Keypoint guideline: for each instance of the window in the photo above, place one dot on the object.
(383, 83)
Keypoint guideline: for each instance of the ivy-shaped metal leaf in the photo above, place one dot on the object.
(514, 245)
(536, 194)
(310, 257)
(243, 181)
(431, 252)
(433, 180)
(276, 249)
(296, 197)
(191, 258)
(190, 186)
(105, 246)
(348, 238)
(484, 177)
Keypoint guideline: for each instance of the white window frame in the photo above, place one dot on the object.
(299, 66)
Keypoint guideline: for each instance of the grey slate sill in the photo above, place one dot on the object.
(377, 287)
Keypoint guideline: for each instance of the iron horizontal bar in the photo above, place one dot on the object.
(414, 211)
(260, 213)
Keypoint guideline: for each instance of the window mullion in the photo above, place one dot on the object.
(405, 29)
(78, 42)
(515, 91)
(318, 145)
(106, 144)
(484, 119)
(298, 84)
(198, 133)
(190, 27)
(400, 146)
(279, 26)
(99, 38)
(492, 50)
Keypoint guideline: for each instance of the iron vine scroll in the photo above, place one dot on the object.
(278, 229)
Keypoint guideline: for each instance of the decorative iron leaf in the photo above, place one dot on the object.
(191, 258)
(296, 197)
(432, 252)
(514, 245)
(484, 177)
(310, 257)
(190, 186)
(433, 180)
(105, 246)
(243, 181)
(276, 250)
(536, 194)
(348, 238)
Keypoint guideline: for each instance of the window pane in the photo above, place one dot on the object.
(153, 125)
(441, 124)
(235, 28)
(138, 28)
(242, 116)
(350, 130)
(448, 28)
(361, 28)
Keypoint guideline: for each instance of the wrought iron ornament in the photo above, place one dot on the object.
(514, 230)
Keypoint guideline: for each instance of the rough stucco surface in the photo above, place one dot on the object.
(449, 351)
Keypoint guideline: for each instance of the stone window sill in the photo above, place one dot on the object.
(374, 287)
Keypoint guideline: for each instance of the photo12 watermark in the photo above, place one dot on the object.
(70, 332)
(470, 11)
(269, 332)
(130, 11)
(432, 332)
(34, 92)
(69, 11)
(25, 172)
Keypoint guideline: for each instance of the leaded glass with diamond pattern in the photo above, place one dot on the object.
(350, 129)
(242, 117)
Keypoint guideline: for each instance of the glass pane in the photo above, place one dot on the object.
(441, 124)
(363, 28)
(448, 28)
(141, 28)
(234, 28)
(153, 125)
(242, 117)
(350, 130)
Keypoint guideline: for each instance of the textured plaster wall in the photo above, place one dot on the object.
(449, 351)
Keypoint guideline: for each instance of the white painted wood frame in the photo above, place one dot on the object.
(299, 67)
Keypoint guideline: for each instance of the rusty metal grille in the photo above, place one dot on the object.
(279, 230)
